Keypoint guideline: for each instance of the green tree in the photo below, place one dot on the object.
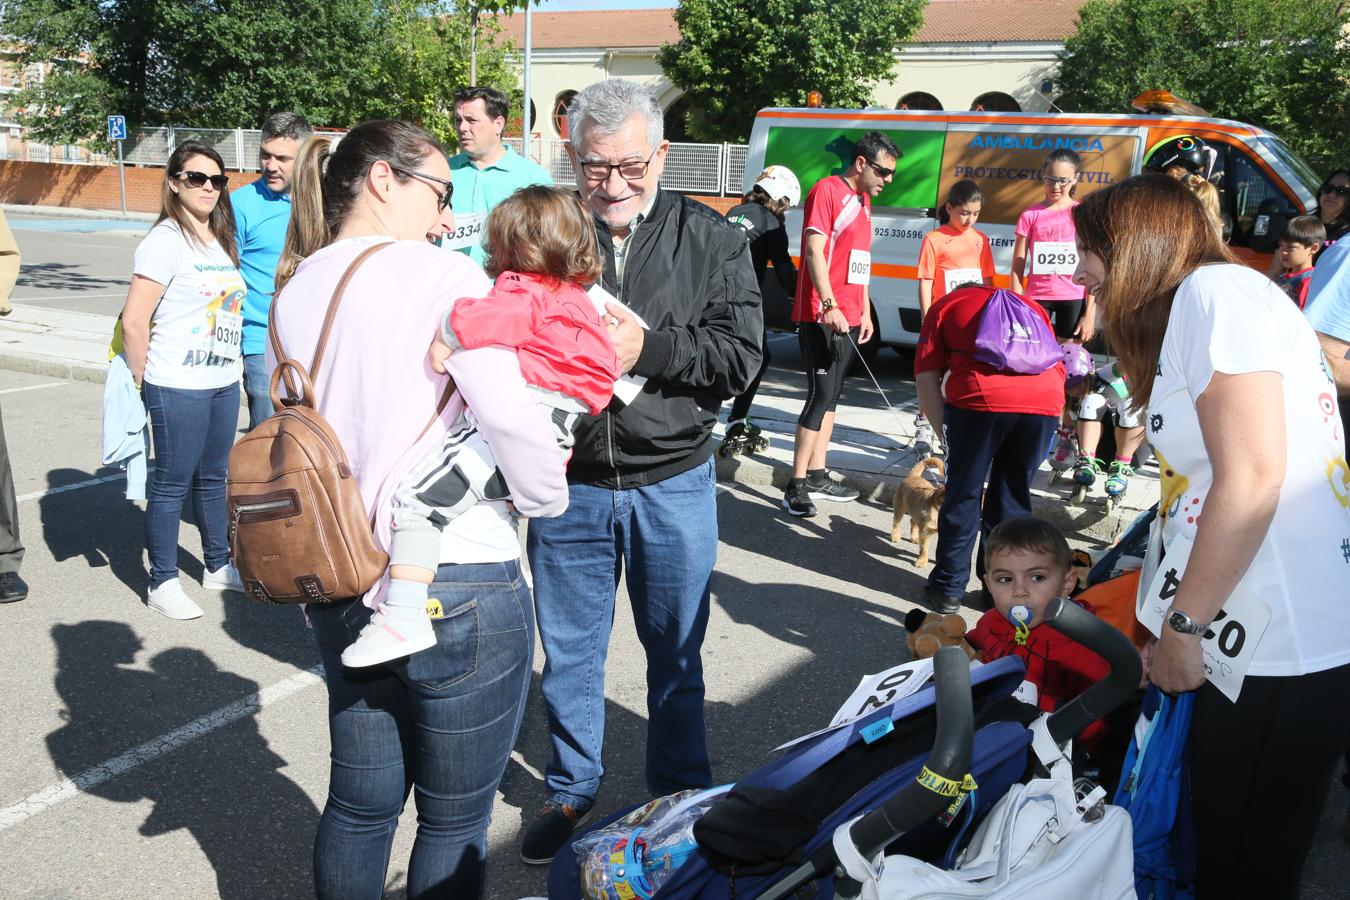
(735, 57)
(1280, 64)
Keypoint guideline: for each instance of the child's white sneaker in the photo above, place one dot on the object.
(170, 600)
(387, 637)
(226, 578)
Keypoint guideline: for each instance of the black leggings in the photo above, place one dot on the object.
(1260, 769)
(824, 373)
(740, 407)
(1064, 315)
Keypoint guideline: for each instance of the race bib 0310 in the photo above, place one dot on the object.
(228, 334)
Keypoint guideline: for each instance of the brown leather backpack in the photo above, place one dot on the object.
(299, 532)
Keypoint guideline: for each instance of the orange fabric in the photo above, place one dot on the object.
(945, 248)
(1113, 601)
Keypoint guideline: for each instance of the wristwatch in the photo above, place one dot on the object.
(1180, 622)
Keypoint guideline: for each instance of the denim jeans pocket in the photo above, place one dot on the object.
(454, 656)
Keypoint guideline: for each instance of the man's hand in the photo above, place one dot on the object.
(865, 328)
(626, 334)
(437, 355)
(834, 320)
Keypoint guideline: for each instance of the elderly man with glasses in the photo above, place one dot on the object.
(642, 499)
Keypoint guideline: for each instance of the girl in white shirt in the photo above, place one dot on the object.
(181, 328)
(1246, 580)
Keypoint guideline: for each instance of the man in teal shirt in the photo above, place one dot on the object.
(262, 210)
(485, 171)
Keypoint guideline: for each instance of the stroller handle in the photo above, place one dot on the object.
(950, 758)
(1127, 668)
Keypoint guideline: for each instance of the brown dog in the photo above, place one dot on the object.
(920, 497)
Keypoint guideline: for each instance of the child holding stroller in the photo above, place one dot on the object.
(539, 248)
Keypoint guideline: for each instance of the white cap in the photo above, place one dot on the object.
(779, 182)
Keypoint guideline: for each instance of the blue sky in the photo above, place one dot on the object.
(566, 5)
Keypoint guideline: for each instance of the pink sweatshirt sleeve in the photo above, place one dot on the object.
(516, 426)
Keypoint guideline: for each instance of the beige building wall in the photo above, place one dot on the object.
(555, 73)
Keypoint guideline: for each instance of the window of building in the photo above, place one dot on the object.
(919, 100)
(560, 112)
(995, 101)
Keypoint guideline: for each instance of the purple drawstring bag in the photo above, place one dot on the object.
(1013, 336)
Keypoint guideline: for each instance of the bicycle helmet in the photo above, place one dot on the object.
(1187, 151)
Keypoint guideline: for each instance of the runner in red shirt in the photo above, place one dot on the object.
(995, 423)
(832, 308)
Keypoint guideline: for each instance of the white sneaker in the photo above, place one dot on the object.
(170, 600)
(226, 578)
(385, 638)
(925, 440)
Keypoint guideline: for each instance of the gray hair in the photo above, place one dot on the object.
(608, 105)
(286, 125)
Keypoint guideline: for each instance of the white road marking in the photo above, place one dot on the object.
(45, 297)
(49, 797)
(34, 387)
(78, 485)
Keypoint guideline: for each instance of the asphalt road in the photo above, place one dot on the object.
(157, 759)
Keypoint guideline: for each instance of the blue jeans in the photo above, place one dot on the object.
(258, 387)
(1006, 448)
(441, 722)
(193, 431)
(666, 535)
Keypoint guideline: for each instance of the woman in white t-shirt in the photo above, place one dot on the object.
(181, 329)
(1249, 597)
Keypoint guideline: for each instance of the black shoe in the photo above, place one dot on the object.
(829, 489)
(549, 831)
(940, 602)
(12, 587)
(797, 500)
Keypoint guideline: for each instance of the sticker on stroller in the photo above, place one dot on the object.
(1232, 638)
(875, 692)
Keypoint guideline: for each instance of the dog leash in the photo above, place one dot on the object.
(905, 430)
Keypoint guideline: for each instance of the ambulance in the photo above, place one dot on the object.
(1261, 182)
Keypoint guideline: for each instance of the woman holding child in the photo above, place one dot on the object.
(441, 721)
(1255, 508)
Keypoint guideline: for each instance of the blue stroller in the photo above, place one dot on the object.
(916, 779)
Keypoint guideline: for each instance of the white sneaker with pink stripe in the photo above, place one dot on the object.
(387, 638)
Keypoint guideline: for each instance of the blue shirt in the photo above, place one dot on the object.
(260, 220)
(477, 191)
(1328, 309)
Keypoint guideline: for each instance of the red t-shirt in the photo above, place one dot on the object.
(946, 342)
(1060, 667)
(844, 216)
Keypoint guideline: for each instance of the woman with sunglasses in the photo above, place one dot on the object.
(441, 721)
(181, 329)
(1333, 204)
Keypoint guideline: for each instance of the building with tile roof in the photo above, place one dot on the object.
(968, 54)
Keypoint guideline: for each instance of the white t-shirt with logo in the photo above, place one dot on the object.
(1234, 320)
(196, 329)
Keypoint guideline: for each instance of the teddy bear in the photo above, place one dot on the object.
(929, 632)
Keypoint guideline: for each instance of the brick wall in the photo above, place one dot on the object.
(95, 187)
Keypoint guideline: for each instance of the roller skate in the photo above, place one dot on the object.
(743, 437)
(1117, 483)
(1065, 454)
(1085, 474)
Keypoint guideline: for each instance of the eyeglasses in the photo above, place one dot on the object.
(1056, 182)
(882, 171)
(629, 170)
(442, 200)
(1340, 190)
(199, 179)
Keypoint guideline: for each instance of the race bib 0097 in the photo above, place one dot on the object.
(859, 267)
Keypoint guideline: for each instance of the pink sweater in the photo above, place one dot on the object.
(378, 392)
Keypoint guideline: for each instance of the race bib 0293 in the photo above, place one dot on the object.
(1054, 258)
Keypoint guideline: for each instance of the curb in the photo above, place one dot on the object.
(56, 368)
(66, 212)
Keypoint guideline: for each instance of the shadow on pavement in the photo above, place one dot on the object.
(254, 825)
(109, 531)
(62, 277)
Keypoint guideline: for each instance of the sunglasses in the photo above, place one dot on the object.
(1340, 190)
(882, 171)
(199, 179)
(442, 199)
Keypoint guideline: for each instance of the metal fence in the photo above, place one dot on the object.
(693, 168)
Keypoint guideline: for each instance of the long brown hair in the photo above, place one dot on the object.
(327, 181)
(544, 231)
(221, 221)
(1150, 232)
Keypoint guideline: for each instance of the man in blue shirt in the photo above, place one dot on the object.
(485, 171)
(1328, 312)
(262, 211)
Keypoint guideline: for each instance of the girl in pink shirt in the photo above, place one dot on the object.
(1044, 256)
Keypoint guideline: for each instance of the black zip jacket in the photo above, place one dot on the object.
(688, 274)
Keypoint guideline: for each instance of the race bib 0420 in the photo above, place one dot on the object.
(1054, 258)
(468, 231)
